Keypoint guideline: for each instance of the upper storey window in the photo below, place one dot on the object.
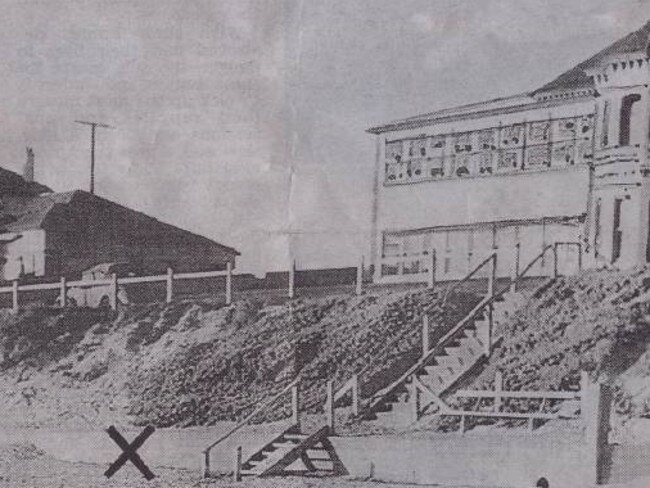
(512, 148)
(629, 102)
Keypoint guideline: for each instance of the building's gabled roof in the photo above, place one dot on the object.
(577, 76)
(576, 80)
(13, 184)
(22, 213)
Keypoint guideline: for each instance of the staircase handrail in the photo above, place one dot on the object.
(532, 263)
(250, 416)
(443, 342)
(468, 276)
(347, 386)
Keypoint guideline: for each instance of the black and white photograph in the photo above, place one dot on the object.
(324, 243)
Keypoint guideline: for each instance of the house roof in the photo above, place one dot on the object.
(13, 184)
(577, 76)
(21, 213)
(575, 79)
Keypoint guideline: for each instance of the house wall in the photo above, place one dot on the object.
(465, 218)
(24, 256)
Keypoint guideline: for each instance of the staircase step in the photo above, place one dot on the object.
(284, 445)
(295, 437)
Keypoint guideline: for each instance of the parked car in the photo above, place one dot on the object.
(99, 295)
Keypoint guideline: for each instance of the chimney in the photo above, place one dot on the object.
(28, 171)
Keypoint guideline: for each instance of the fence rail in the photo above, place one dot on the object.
(113, 284)
(497, 406)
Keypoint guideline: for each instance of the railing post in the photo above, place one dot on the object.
(359, 282)
(584, 386)
(113, 295)
(355, 395)
(555, 263)
(206, 463)
(228, 283)
(14, 295)
(170, 285)
(236, 472)
(432, 270)
(425, 335)
(515, 268)
(64, 292)
(329, 406)
(597, 416)
(498, 388)
(295, 406)
(414, 397)
(579, 256)
(292, 278)
(492, 275)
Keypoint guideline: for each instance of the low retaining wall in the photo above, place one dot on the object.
(504, 460)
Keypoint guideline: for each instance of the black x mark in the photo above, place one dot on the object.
(130, 452)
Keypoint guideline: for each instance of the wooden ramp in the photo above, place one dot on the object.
(294, 453)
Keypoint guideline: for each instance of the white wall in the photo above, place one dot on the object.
(484, 199)
(26, 254)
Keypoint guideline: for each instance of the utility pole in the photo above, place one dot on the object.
(93, 127)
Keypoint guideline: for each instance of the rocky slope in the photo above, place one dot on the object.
(195, 362)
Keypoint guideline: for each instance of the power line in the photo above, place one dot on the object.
(93, 127)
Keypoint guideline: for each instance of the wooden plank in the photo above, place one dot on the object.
(338, 466)
(502, 415)
(550, 395)
(430, 394)
(91, 283)
(294, 454)
(39, 286)
(262, 452)
(129, 280)
(200, 274)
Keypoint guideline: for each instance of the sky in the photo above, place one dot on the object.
(245, 120)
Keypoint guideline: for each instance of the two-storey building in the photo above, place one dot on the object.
(567, 162)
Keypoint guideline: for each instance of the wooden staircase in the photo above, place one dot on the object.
(420, 390)
(463, 348)
(305, 453)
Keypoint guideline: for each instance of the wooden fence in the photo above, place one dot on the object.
(113, 284)
(498, 406)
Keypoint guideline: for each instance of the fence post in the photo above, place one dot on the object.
(292, 279)
(228, 283)
(555, 263)
(425, 335)
(355, 395)
(14, 293)
(64, 292)
(295, 406)
(515, 269)
(170, 285)
(584, 386)
(498, 388)
(414, 397)
(597, 400)
(206, 464)
(329, 406)
(579, 256)
(492, 275)
(113, 295)
(236, 472)
(432, 269)
(359, 282)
